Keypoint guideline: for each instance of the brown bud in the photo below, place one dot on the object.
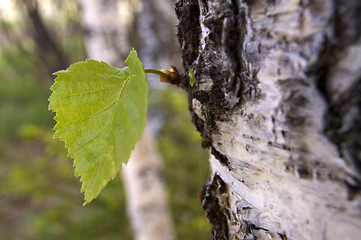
(173, 76)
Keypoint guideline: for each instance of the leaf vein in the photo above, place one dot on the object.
(76, 150)
(87, 117)
(111, 125)
(83, 93)
(130, 99)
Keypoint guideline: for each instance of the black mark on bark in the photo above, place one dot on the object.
(220, 157)
(188, 30)
(215, 210)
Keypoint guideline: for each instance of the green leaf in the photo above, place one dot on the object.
(191, 77)
(100, 114)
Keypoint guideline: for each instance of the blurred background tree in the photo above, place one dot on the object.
(39, 196)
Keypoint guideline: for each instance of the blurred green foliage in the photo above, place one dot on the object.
(186, 164)
(20, 93)
(39, 195)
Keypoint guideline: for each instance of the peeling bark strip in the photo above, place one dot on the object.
(278, 85)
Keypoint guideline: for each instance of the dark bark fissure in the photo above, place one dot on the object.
(215, 201)
(344, 129)
(343, 118)
(216, 213)
(188, 30)
(222, 77)
(221, 158)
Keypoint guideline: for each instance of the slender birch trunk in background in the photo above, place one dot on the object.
(48, 50)
(108, 25)
(106, 31)
(147, 205)
(277, 95)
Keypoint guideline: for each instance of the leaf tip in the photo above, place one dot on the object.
(132, 54)
(86, 202)
(57, 73)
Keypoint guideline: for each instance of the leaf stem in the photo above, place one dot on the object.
(159, 73)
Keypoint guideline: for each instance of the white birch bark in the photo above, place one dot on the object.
(277, 83)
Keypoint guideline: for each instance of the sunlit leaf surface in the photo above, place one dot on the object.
(100, 114)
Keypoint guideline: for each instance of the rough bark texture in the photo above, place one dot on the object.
(277, 95)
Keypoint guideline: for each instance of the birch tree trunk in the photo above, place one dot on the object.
(277, 95)
(108, 26)
(106, 30)
(147, 201)
(49, 53)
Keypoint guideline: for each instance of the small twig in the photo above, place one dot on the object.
(166, 75)
(158, 72)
